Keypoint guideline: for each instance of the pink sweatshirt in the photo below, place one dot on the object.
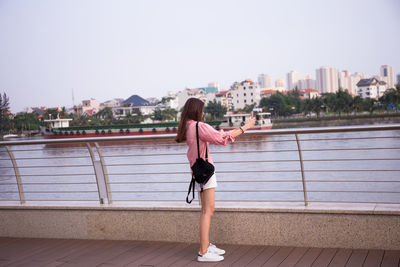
(207, 134)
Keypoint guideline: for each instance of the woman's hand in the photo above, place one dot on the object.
(250, 123)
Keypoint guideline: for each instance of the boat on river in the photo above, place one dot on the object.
(59, 128)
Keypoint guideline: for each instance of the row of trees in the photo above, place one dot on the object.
(340, 102)
(278, 104)
(4, 107)
(105, 117)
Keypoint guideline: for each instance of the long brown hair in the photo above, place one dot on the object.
(192, 110)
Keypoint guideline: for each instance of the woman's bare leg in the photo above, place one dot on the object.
(207, 209)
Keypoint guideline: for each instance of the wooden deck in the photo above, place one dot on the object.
(67, 252)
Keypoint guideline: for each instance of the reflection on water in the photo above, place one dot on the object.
(254, 168)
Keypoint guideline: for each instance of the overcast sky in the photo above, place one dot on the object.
(110, 49)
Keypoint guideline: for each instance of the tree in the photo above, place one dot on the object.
(391, 97)
(216, 110)
(357, 103)
(343, 101)
(369, 105)
(274, 104)
(168, 114)
(139, 117)
(307, 106)
(50, 113)
(295, 93)
(247, 108)
(129, 118)
(157, 115)
(106, 114)
(25, 121)
(4, 107)
(280, 104)
(166, 99)
(316, 104)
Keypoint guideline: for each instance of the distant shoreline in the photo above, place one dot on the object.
(329, 121)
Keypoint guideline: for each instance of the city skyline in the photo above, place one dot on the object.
(115, 49)
(297, 84)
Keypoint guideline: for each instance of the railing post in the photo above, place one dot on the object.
(17, 175)
(98, 170)
(104, 169)
(302, 171)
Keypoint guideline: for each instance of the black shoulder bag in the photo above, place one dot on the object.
(202, 170)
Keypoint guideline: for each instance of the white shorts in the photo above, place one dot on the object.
(212, 183)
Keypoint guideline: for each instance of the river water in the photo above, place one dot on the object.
(342, 167)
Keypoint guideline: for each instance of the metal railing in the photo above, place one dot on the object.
(331, 164)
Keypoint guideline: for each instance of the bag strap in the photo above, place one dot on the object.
(198, 145)
(191, 188)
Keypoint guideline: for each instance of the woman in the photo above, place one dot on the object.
(191, 114)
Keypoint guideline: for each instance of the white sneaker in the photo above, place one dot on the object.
(209, 257)
(216, 250)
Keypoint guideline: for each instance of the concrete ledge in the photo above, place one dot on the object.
(377, 228)
(324, 208)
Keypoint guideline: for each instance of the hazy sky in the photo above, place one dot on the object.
(109, 49)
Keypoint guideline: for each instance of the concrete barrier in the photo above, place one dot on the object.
(307, 227)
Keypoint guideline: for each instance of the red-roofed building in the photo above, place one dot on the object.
(309, 93)
(225, 98)
(267, 92)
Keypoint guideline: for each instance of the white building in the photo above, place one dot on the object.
(184, 95)
(121, 112)
(171, 101)
(306, 83)
(264, 81)
(112, 103)
(388, 74)
(371, 88)
(291, 79)
(88, 107)
(245, 93)
(210, 97)
(225, 98)
(309, 93)
(327, 80)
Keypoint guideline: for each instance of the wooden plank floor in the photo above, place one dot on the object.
(68, 252)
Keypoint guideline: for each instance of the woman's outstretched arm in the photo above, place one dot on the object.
(209, 134)
(249, 124)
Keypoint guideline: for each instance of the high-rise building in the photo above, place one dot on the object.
(345, 82)
(280, 83)
(214, 85)
(306, 83)
(398, 78)
(264, 81)
(348, 81)
(327, 80)
(292, 78)
(388, 75)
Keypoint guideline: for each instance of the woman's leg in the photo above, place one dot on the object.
(207, 209)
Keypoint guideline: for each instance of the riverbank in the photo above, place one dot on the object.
(331, 121)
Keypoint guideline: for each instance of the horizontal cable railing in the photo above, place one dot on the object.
(357, 164)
